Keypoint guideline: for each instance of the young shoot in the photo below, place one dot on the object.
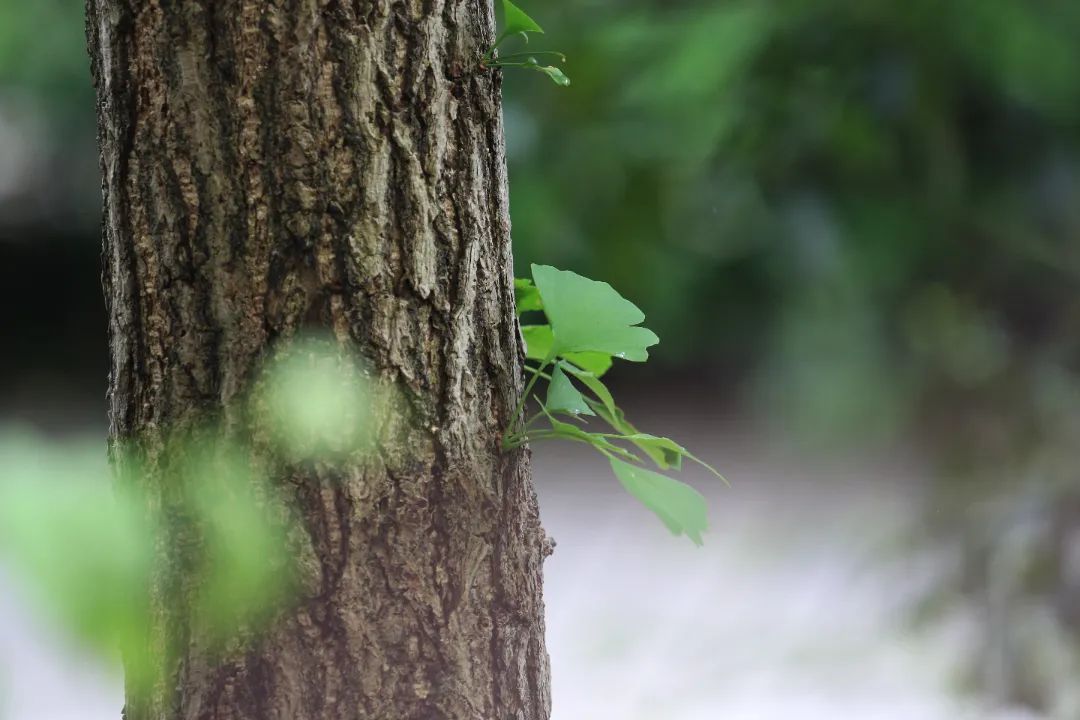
(589, 325)
(518, 24)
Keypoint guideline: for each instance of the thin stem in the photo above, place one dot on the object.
(516, 439)
(489, 56)
(500, 64)
(544, 375)
(546, 434)
(514, 56)
(513, 441)
(529, 386)
(540, 434)
(536, 373)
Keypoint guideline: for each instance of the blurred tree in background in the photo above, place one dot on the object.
(863, 215)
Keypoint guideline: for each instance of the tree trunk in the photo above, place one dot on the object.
(272, 165)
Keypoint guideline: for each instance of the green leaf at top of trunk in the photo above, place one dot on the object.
(562, 396)
(590, 316)
(516, 21)
(681, 507)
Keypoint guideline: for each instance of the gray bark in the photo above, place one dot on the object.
(275, 165)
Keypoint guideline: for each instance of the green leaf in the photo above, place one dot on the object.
(79, 545)
(319, 401)
(679, 506)
(243, 570)
(613, 416)
(557, 76)
(526, 296)
(516, 21)
(564, 397)
(668, 454)
(665, 452)
(593, 362)
(538, 342)
(589, 316)
(607, 409)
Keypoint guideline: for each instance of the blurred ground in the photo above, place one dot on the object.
(797, 608)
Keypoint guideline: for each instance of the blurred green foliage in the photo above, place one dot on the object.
(43, 56)
(95, 544)
(319, 402)
(83, 545)
(60, 523)
(846, 201)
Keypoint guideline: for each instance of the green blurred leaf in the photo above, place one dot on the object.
(562, 396)
(83, 549)
(319, 400)
(244, 559)
(86, 546)
(679, 506)
(589, 316)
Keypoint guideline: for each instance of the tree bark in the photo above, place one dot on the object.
(273, 165)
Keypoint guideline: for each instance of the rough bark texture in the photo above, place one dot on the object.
(272, 165)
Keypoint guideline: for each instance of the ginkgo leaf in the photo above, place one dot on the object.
(592, 362)
(607, 409)
(538, 342)
(665, 452)
(516, 21)
(589, 316)
(679, 506)
(557, 76)
(562, 396)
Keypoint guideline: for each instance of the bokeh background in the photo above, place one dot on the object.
(855, 226)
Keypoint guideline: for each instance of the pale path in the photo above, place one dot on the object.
(796, 608)
(793, 610)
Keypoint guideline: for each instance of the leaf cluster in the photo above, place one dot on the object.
(589, 326)
(517, 24)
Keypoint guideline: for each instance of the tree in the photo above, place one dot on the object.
(270, 168)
